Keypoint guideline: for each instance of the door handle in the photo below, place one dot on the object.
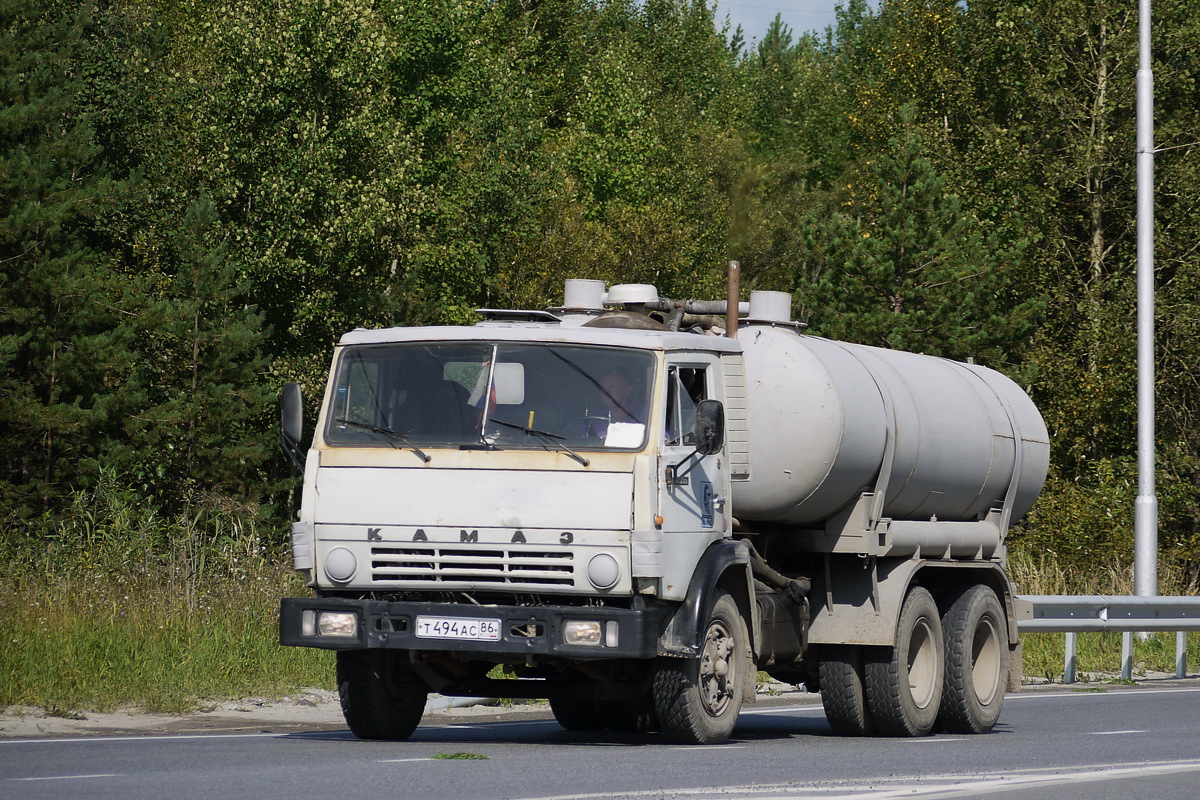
(673, 478)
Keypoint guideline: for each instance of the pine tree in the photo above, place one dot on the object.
(202, 374)
(901, 264)
(64, 328)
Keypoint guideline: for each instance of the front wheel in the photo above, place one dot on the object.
(381, 696)
(698, 699)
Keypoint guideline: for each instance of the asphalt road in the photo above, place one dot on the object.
(1120, 743)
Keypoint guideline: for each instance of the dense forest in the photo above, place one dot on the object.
(197, 197)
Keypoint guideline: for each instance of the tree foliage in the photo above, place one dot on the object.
(199, 197)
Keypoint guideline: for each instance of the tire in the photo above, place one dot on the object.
(976, 662)
(381, 697)
(843, 694)
(577, 715)
(628, 716)
(904, 683)
(698, 699)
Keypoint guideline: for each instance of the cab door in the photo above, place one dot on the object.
(693, 489)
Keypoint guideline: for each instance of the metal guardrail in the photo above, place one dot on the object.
(1072, 614)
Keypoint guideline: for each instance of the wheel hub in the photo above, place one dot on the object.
(718, 674)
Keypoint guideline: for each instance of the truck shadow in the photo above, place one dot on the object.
(548, 732)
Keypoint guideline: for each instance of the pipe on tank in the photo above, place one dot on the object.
(732, 295)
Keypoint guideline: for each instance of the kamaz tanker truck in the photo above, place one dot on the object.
(629, 505)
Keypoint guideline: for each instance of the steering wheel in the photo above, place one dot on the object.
(593, 427)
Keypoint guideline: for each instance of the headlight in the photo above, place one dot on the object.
(337, 623)
(582, 632)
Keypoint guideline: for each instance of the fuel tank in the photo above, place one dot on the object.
(830, 420)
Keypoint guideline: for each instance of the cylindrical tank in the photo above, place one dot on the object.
(830, 420)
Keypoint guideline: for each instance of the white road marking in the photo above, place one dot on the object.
(711, 747)
(1089, 693)
(153, 738)
(929, 786)
(783, 710)
(166, 737)
(807, 708)
(68, 777)
(1112, 733)
(1135, 692)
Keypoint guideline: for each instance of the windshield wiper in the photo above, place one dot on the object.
(548, 439)
(395, 438)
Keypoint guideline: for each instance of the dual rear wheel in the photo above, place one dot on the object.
(947, 670)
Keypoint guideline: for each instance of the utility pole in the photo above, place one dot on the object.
(1145, 514)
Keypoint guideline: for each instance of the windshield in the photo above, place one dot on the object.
(479, 394)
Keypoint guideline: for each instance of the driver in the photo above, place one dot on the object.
(620, 400)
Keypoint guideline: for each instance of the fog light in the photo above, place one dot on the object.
(340, 565)
(603, 571)
(338, 623)
(308, 622)
(581, 632)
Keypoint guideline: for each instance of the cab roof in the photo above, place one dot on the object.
(549, 333)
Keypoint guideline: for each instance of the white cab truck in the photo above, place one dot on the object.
(630, 512)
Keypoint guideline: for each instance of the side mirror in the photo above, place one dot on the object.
(291, 413)
(710, 427)
(291, 423)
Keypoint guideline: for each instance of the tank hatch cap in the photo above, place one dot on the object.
(583, 295)
(627, 294)
(772, 308)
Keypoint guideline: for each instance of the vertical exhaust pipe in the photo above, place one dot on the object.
(732, 298)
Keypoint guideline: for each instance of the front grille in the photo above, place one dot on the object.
(437, 566)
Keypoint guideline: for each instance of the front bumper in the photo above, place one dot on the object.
(524, 630)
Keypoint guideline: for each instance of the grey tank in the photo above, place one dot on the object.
(830, 420)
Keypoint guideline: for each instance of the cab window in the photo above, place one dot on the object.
(686, 386)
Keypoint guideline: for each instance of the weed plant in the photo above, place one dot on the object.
(116, 606)
(1098, 655)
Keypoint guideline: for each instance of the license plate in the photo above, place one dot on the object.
(473, 630)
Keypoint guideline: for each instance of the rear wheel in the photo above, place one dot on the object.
(628, 716)
(843, 694)
(577, 715)
(381, 696)
(698, 699)
(976, 662)
(904, 683)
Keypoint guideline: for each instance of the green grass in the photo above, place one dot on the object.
(461, 756)
(120, 608)
(1098, 655)
(87, 645)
